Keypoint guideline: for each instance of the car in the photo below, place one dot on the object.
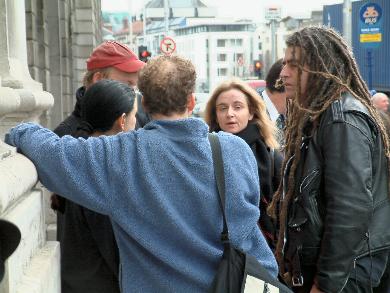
(257, 84)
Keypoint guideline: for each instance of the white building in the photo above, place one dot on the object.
(284, 28)
(219, 48)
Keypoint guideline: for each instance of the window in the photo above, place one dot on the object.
(236, 42)
(222, 71)
(239, 56)
(221, 57)
(221, 43)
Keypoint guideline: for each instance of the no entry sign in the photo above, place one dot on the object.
(167, 46)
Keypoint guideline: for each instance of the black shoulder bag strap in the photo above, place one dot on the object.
(220, 177)
(237, 264)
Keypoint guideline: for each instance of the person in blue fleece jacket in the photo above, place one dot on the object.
(157, 185)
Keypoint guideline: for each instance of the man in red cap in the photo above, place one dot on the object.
(89, 254)
(109, 60)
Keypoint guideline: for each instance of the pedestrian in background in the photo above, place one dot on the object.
(275, 99)
(158, 187)
(335, 204)
(236, 108)
(380, 101)
(114, 61)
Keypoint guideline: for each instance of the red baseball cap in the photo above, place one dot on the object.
(114, 54)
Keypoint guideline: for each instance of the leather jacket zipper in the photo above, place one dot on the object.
(316, 215)
(308, 179)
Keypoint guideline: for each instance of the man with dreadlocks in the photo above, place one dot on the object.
(334, 203)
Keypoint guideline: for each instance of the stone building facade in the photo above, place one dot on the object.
(43, 48)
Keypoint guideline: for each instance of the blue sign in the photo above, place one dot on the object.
(370, 28)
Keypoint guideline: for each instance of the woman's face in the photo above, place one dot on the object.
(232, 111)
(130, 119)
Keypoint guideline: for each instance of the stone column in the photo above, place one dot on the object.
(56, 56)
(13, 63)
(34, 266)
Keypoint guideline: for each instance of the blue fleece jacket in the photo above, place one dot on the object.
(157, 184)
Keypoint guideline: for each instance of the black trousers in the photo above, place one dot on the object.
(371, 274)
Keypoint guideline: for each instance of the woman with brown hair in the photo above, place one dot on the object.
(236, 108)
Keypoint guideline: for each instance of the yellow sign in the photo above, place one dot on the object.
(369, 38)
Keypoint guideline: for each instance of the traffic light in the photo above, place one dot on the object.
(143, 53)
(257, 68)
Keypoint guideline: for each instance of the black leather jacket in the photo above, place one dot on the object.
(341, 207)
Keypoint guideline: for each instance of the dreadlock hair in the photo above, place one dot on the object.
(332, 70)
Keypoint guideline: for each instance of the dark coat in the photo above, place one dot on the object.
(269, 164)
(73, 121)
(89, 253)
(340, 211)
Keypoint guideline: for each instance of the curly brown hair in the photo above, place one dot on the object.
(256, 107)
(88, 76)
(332, 70)
(166, 83)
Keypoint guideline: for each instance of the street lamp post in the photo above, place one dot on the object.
(131, 45)
(166, 16)
(347, 21)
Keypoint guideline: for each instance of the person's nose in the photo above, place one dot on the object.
(230, 112)
(284, 72)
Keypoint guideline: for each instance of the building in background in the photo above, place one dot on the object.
(219, 47)
(154, 9)
(373, 59)
(284, 27)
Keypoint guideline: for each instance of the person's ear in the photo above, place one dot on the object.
(120, 122)
(191, 101)
(97, 76)
(143, 105)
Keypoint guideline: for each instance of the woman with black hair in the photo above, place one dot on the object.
(89, 253)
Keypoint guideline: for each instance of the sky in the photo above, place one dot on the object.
(252, 9)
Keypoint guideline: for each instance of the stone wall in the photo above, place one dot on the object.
(56, 56)
(42, 58)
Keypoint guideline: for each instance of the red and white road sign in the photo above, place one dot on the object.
(167, 46)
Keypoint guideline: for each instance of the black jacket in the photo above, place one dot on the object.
(89, 253)
(269, 163)
(341, 207)
(73, 121)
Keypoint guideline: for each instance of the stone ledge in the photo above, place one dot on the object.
(33, 101)
(18, 175)
(43, 273)
(27, 214)
(21, 104)
(51, 232)
(9, 100)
